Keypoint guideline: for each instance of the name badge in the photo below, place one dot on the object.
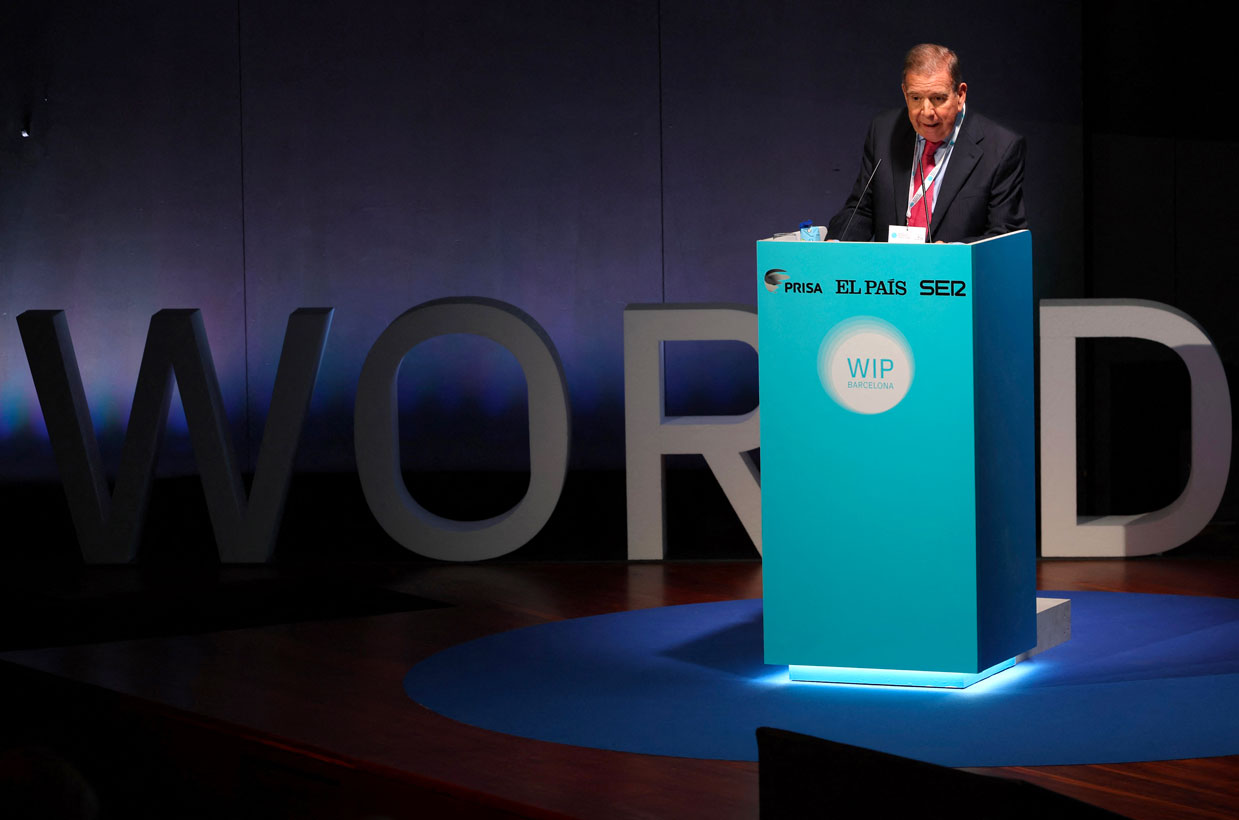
(905, 234)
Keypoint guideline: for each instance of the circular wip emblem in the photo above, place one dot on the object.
(865, 364)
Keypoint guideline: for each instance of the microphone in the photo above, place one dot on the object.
(864, 191)
(920, 166)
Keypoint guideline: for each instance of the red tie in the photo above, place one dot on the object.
(917, 218)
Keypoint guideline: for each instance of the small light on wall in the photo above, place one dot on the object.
(25, 133)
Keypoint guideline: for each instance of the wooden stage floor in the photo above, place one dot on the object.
(311, 718)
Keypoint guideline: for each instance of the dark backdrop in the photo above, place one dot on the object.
(250, 158)
(1159, 183)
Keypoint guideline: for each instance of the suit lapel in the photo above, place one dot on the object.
(964, 158)
(903, 143)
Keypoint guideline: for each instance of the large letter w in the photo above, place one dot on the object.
(109, 527)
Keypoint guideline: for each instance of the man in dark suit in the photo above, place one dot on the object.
(938, 160)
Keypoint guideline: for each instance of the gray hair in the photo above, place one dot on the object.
(929, 58)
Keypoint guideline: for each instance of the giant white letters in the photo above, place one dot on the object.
(650, 434)
(109, 527)
(1063, 533)
(377, 435)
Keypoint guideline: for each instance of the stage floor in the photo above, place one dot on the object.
(318, 705)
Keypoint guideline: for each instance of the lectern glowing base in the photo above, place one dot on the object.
(894, 677)
(1053, 628)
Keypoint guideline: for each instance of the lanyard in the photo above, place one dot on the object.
(928, 181)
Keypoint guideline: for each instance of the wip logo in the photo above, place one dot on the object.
(774, 278)
(865, 364)
(777, 279)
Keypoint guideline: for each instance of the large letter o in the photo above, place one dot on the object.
(377, 440)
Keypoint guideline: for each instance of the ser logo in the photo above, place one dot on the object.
(777, 279)
(942, 287)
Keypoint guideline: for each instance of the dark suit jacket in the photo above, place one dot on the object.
(981, 195)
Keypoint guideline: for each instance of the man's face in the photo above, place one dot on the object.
(933, 103)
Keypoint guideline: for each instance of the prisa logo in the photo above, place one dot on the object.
(802, 287)
(777, 279)
(774, 278)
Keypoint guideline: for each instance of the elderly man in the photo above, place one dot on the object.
(939, 165)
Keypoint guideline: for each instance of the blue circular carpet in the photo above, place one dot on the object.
(1144, 677)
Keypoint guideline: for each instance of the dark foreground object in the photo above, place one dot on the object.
(802, 776)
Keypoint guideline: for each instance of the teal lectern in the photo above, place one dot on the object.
(897, 460)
